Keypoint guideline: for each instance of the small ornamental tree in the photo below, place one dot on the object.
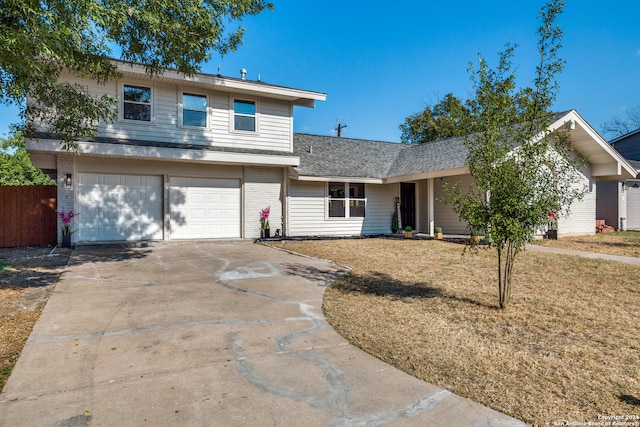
(522, 170)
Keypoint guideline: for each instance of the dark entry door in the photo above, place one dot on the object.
(408, 204)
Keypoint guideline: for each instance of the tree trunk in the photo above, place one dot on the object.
(506, 257)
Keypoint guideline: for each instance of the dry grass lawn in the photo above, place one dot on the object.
(567, 348)
(27, 277)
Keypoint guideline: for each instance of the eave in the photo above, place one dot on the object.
(298, 97)
(170, 154)
(606, 163)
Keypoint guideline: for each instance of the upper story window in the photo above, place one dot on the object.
(244, 115)
(137, 103)
(346, 200)
(194, 110)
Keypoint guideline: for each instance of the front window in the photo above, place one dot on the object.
(244, 115)
(194, 110)
(346, 200)
(136, 103)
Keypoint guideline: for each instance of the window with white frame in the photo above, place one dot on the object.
(244, 115)
(137, 103)
(346, 200)
(194, 110)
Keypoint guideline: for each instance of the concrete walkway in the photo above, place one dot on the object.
(593, 255)
(209, 334)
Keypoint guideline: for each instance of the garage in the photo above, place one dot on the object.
(119, 207)
(204, 208)
(633, 205)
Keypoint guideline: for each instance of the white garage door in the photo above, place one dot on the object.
(119, 207)
(205, 208)
(633, 205)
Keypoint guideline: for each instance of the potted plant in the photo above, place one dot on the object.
(395, 223)
(552, 231)
(474, 236)
(437, 233)
(408, 232)
(66, 218)
(264, 222)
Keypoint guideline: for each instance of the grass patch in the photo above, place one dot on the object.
(566, 349)
(626, 243)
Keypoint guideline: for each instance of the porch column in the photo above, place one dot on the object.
(431, 206)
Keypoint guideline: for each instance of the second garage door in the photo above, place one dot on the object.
(633, 205)
(205, 208)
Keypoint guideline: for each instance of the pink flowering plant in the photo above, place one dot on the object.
(66, 218)
(264, 217)
(552, 217)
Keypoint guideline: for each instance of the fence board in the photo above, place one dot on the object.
(28, 215)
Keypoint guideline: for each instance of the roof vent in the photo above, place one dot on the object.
(243, 73)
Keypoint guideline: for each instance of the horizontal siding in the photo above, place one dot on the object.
(262, 189)
(307, 205)
(273, 117)
(581, 219)
(444, 215)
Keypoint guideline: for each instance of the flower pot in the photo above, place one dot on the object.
(408, 234)
(552, 234)
(438, 236)
(66, 240)
(474, 239)
(266, 233)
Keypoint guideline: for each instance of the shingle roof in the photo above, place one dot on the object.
(347, 157)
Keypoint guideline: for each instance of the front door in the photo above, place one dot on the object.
(408, 204)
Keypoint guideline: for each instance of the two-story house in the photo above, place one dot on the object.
(199, 157)
(187, 158)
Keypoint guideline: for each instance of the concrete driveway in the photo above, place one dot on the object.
(208, 334)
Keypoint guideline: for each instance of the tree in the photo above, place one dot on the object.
(522, 171)
(445, 119)
(15, 164)
(619, 126)
(38, 39)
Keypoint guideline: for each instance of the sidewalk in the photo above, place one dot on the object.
(593, 255)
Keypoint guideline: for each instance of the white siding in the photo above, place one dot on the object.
(444, 214)
(262, 188)
(274, 119)
(307, 211)
(581, 219)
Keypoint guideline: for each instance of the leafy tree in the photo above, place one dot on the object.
(445, 119)
(618, 126)
(38, 39)
(522, 171)
(15, 164)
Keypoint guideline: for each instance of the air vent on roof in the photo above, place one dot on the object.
(243, 74)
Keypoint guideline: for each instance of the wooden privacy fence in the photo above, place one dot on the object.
(28, 215)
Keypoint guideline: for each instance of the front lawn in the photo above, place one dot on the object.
(566, 349)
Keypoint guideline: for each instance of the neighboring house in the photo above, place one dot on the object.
(199, 157)
(619, 201)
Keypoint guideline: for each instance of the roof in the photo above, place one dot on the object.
(330, 156)
(299, 97)
(324, 157)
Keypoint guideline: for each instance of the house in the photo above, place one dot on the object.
(618, 202)
(199, 157)
(379, 176)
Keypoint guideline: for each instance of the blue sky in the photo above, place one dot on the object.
(379, 63)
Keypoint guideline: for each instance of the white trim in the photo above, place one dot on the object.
(101, 149)
(181, 92)
(121, 102)
(232, 115)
